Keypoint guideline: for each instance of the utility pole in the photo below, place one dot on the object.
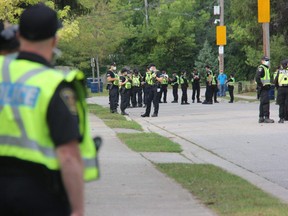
(146, 13)
(264, 18)
(221, 48)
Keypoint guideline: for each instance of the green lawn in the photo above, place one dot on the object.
(113, 120)
(149, 142)
(223, 192)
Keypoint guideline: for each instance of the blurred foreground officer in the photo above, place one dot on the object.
(113, 79)
(281, 83)
(262, 79)
(45, 143)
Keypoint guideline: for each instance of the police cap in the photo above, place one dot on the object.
(38, 22)
(151, 65)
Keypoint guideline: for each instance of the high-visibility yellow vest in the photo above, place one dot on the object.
(26, 89)
(135, 81)
(231, 83)
(116, 82)
(266, 79)
(181, 80)
(283, 78)
(148, 78)
(128, 84)
(165, 80)
(176, 81)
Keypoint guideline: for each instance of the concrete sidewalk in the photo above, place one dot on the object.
(131, 185)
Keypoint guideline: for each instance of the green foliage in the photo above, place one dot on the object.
(206, 57)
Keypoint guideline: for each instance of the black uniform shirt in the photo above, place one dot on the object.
(196, 78)
(260, 73)
(110, 74)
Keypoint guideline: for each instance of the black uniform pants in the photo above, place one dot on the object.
(146, 94)
(125, 97)
(136, 94)
(31, 192)
(282, 101)
(184, 97)
(208, 93)
(231, 92)
(113, 97)
(196, 91)
(163, 92)
(175, 92)
(214, 92)
(264, 107)
(153, 95)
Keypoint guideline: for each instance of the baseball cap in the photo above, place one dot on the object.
(151, 65)
(113, 64)
(38, 22)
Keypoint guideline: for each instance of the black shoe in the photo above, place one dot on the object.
(261, 120)
(230, 102)
(165, 101)
(187, 103)
(144, 115)
(113, 111)
(154, 115)
(160, 102)
(193, 101)
(198, 101)
(140, 105)
(174, 101)
(268, 120)
(216, 101)
(182, 103)
(144, 106)
(124, 113)
(281, 120)
(206, 102)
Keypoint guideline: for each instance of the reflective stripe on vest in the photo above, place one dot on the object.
(16, 140)
(283, 78)
(266, 79)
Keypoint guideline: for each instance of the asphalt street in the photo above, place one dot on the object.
(229, 135)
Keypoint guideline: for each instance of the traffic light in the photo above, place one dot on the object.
(221, 35)
(263, 11)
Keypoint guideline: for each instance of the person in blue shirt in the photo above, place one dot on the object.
(222, 78)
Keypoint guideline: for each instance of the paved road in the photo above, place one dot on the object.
(227, 135)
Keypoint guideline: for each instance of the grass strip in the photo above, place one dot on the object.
(90, 94)
(149, 142)
(225, 193)
(113, 120)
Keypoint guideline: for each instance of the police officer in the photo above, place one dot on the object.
(45, 146)
(215, 88)
(175, 84)
(262, 79)
(209, 91)
(153, 80)
(164, 87)
(196, 86)
(231, 82)
(281, 83)
(125, 87)
(136, 89)
(113, 79)
(184, 87)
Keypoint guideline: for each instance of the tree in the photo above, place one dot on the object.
(205, 57)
